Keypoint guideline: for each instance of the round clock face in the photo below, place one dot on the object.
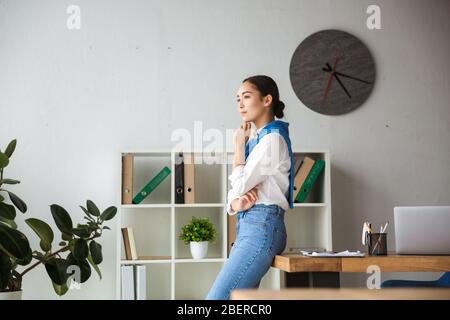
(332, 72)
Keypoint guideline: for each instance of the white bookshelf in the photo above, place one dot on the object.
(157, 223)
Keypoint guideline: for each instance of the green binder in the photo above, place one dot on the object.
(149, 187)
(310, 180)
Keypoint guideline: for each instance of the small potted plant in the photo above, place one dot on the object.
(197, 234)
(78, 243)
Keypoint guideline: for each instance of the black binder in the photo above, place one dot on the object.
(179, 178)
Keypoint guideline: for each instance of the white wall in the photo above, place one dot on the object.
(137, 70)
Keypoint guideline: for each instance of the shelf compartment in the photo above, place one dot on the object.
(209, 174)
(146, 166)
(200, 280)
(158, 276)
(317, 193)
(184, 215)
(308, 227)
(151, 229)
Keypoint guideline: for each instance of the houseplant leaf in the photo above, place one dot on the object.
(10, 223)
(9, 181)
(92, 208)
(57, 270)
(62, 219)
(84, 267)
(7, 211)
(96, 252)
(10, 148)
(66, 236)
(87, 213)
(19, 203)
(5, 270)
(108, 214)
(60, 290)
(15, 244)
(43, 231)
(82, 231)
(80, 249)
(96, 268)
(4, 160)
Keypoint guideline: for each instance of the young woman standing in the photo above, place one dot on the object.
(261, 187)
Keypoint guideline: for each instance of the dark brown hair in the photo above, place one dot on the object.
(266, 85)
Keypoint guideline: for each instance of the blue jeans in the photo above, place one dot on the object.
(260, 236)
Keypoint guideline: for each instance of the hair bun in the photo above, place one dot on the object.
(278, 109)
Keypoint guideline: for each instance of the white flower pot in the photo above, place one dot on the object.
(199, 249)
(11, 295)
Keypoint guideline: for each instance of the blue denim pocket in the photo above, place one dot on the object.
(256, 217)
(278, 241)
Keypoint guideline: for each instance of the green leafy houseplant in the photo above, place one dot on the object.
(78, 244)
(199, 229)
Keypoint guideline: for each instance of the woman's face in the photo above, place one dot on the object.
(249, 103)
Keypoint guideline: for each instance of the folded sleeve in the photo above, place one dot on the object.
(230, 198)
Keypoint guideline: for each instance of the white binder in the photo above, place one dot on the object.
(127, 282)
(141, 282)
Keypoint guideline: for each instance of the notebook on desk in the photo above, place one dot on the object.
(330, 254)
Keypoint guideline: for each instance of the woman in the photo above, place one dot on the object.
(261, 187)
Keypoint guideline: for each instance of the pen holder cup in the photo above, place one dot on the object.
(377, 244)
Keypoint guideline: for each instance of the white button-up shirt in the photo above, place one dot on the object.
(268, 165)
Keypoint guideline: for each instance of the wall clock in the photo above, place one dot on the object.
(332, 72)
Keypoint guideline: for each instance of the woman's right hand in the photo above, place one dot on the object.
(246, 201)
(242, 134)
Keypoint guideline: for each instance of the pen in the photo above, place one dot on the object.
(385, 226)
(383, 229)
(365, 232)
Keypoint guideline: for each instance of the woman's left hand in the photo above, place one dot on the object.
(246, 201)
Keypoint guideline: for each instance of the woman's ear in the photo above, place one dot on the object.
(267, 100)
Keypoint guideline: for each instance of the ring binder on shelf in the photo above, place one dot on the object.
(189, 178)
(179, 178)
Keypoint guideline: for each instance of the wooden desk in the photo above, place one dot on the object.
(331, 267)
(342, 294)
(389, 263)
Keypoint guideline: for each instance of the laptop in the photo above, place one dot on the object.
(422, 230)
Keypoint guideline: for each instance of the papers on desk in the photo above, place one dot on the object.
(345, 253)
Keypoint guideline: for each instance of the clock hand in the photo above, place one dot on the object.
(328, 69)
(343, 87)
(330, 78)
(350, 77)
